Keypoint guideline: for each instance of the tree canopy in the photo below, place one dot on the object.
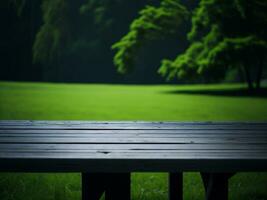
(224, 34)
(194, 40)
(152, 24)
(54, 33)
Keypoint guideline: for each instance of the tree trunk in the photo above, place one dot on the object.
(260, 69)
(248, 78)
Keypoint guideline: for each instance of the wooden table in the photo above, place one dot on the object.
(107, 152)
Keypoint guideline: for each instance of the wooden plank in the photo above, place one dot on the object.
(139, 152)
(113, 148)
(119, 136)
(189, 136)
(159, 131)
(116, 121)
(141, 126)
(135, 132)
(133, 155)
(135, 146)
(151, 135)
(218, 127)
(136, 155)
(133, 140)
(131, 165)
(110, 152)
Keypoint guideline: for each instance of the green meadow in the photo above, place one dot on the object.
(47, 101)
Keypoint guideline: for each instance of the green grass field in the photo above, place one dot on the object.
(120, 102)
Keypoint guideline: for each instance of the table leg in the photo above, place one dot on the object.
(176, 186)
(115, 186)
(119, 186)
(216, 185)
(93, 186)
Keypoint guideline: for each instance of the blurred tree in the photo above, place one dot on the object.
(221, 41)
(76, 36)
(224, 34)
(153, 23)
(54, 33)
(69, 41)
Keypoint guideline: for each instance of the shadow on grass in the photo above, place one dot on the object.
(236, 92)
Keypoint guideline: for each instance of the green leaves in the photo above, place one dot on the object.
(184, 65)
(153, 23)
(224, 34)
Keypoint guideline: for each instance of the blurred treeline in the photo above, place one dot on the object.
(70, 41)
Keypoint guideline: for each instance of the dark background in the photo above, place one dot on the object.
(88, 58)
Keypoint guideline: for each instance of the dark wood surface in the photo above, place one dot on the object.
(92, 146)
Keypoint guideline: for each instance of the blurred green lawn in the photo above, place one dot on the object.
(127, 102)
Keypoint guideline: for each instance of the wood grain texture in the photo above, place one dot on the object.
(47, 146)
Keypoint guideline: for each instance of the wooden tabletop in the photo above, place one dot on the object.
(93, 146)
